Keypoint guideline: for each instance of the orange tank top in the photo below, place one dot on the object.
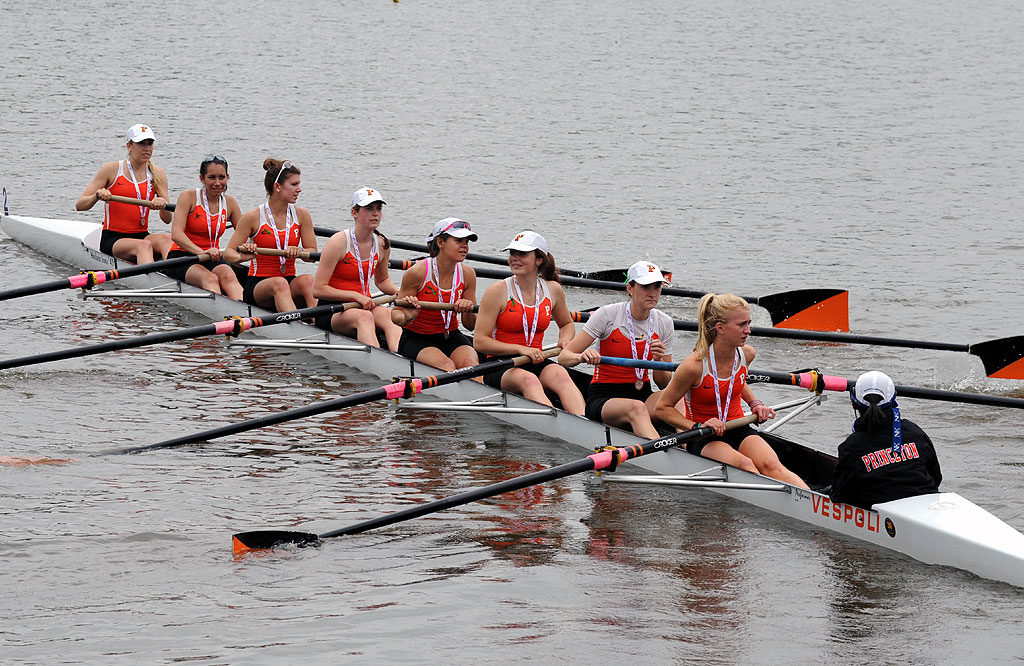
(618, 345)
(268, 236)
(128, 218)
(202, 228)
(701, 401)
(432, 322)
(520, 324)
(353, 273)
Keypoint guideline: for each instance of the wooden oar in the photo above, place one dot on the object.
(813, 380)
(274, 252)
(229, 327)
(806, 309)
(604, 459)
(610, 274)
(138, 202)
(89, 279)
(1003, 358)
(405, 388)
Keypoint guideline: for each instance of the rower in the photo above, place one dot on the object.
(277, 224)
(349, 261)
(619, 396)
(126, 226)
(197, 229)
(712, 380)
(433, 336)
(512, 318)
(886, 457)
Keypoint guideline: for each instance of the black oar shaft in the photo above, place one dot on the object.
(500, 488)
(92, 278)
(818, 336)
(227, 327)
(392, 391)
(819, 382)
(472, 256)
(604, 459)
(261, 422)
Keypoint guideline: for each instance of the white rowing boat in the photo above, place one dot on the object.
(942, 528)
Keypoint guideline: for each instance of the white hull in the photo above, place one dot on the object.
(942, 528)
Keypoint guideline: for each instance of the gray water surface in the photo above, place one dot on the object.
(748, 148)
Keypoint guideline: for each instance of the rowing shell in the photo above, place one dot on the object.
(942, 528)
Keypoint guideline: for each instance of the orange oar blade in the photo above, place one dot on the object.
(809, 309)
(1003, 358)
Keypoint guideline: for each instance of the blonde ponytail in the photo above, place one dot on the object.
(714, 308)
(159, 186)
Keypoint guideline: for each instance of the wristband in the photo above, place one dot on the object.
(696, 425)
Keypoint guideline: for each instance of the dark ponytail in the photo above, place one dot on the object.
(547, 269)
(873, 418)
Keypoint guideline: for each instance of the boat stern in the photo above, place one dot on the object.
(947, 529)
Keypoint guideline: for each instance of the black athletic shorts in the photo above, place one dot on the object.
(178, 272)
(732, 437)
(601, 392)
(493, 379)
(411, 343)
(108, 238)
(250, 285)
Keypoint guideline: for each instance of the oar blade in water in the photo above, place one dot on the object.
(266, 539)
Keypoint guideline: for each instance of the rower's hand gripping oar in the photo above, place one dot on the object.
(89, 279)
(403, 388)
(603, 459)
(1003, 358)
(230, 327)
(140, 202)
(807, 309)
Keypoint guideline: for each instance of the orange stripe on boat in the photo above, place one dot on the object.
(832, 314)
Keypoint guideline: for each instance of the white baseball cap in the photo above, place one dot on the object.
(874, 382)
(454, 227)
(365, 196)
(140, 132)
(644, 272)
(528, 241)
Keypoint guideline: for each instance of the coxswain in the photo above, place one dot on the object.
(433, 336)
(278, 224)
(351, 261)
(622, 396)
(126, 226)
(512, 319)
(886, 457)
(713, 381)
(201, 216)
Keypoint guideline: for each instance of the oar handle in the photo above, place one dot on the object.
(638, 363)
(274, 252)
(139, 202)
(430, 305)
